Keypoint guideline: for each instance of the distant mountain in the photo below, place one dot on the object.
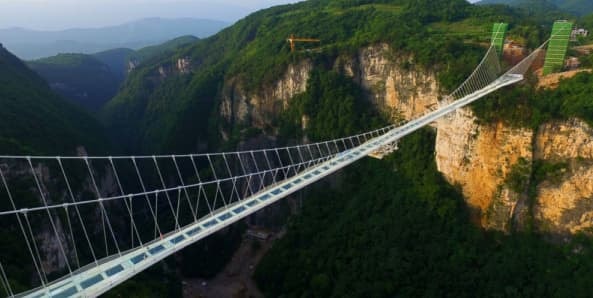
(575, 7)
(32, 44)
(35, 120)
(92, 80)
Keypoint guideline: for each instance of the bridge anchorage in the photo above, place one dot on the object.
(385, 150)
(145, 208)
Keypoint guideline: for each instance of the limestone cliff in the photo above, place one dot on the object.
(565, 202)
(392, 83)
(258, 108)
(478, 158)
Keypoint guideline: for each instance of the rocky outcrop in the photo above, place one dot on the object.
(565, 203)
(567, 207)
(564, 140)
(478, 158)
(53, 238)
(184, 65)
(393, 83)
(259, 108)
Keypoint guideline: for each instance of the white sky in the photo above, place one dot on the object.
(61, 14)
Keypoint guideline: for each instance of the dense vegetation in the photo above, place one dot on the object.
(117, 60)
(335, 108)
(34, 120)
(395, 228)
(526, 106)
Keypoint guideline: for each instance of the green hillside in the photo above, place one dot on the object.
(34, 120)
(147, 53)
(80, 78)
(93, 80)
(118, 59)
(156, 114)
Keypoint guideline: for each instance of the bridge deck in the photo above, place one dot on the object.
(96, 279)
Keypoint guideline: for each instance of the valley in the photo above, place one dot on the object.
(491, 200)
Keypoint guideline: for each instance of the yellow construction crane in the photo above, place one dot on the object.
(293, 39)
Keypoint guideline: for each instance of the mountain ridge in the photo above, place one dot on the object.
(31, 44)
(575, 7)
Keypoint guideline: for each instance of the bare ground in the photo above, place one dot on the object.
(235, 281)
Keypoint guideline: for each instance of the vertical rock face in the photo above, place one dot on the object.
(132, 64)
(392, 83)
(565, 202)
(258, 108)
(184, 65)
(54, 240)
(479, 158)
(564, 140)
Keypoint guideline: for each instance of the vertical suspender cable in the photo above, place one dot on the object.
(51, 220)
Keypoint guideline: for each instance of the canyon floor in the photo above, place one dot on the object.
(236, 280)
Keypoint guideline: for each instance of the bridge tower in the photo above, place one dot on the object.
(557, 47)
(499, 31)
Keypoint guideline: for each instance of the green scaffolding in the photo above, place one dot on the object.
(557, 47)
(499, 31)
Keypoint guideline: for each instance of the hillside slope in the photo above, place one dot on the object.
(80, 78)
(93, 80)
(34, 120)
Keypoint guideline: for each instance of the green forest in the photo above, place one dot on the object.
(396, 228)
(529, 107)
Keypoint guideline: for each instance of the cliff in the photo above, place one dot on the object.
(564, 201)
(390, 83)
(480, 159)
(484, 160)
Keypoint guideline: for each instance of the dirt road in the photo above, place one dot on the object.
(236, 279)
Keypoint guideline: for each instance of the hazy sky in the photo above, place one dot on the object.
(60, 14)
